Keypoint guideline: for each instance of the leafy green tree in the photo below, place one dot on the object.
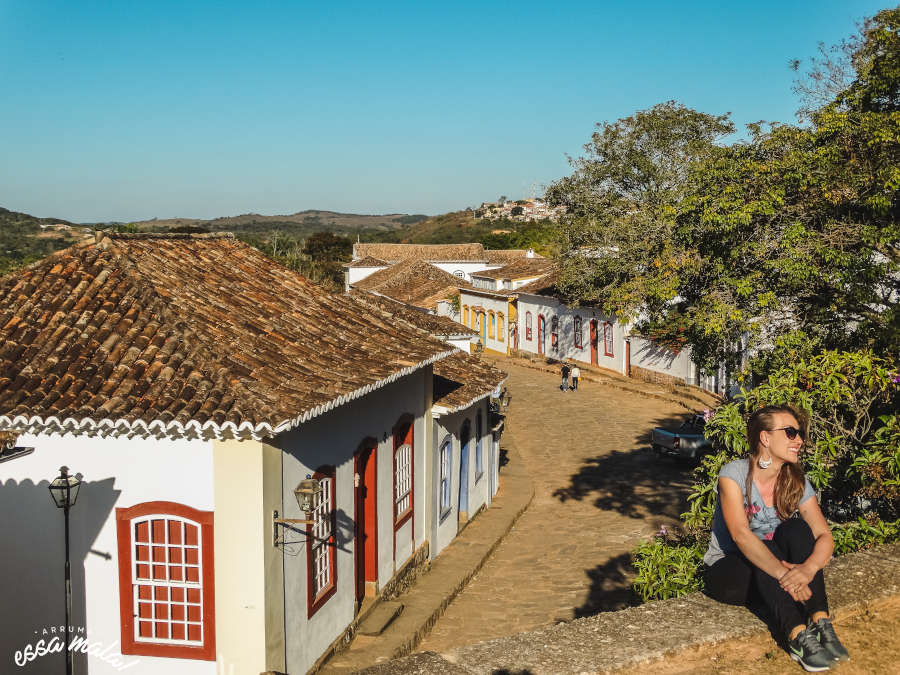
(793, 232)
(328, 247)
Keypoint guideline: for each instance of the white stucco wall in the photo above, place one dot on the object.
(116, 473)
(354, 274)
(550, 307)
(332, 439)
(446, 525)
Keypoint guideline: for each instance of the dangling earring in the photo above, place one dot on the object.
(764, 463)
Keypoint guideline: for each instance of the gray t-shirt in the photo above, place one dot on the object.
(763, 519)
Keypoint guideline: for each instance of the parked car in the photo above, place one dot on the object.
(686, 442)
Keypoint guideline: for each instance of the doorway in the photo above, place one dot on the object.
(465, 436)
(366, 535)
(594, 341)
(542, 333)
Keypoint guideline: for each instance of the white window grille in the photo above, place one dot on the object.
(167, 580)
(322, 529)
(446, 472)
(403, 479)
(608, 338)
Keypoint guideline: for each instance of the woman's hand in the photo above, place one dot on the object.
(796, 580)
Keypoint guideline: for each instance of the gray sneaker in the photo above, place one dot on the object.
(806, 650)
(829, 640)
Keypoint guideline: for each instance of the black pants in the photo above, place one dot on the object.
(736, 581)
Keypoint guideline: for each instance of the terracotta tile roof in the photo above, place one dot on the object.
(437, 326)
(461, 380)
(414, 282)
(504, 256)
(521, 269)
(430, 252)
(546, 285)
(491, 293)
(368, 261)
(185, 335)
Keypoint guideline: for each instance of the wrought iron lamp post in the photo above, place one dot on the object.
(64, 490)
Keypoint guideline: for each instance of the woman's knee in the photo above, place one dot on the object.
(795, 538)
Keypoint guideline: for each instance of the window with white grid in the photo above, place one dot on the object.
(403, 479)
(608, 338)
(446, 471)
(167, 581)
(322, 531)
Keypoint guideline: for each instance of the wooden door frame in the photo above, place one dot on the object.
(366, 579)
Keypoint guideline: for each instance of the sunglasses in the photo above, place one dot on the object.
(791, 432)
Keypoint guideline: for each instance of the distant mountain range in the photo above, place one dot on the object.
(296, 223)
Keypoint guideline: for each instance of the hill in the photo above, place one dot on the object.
(298, 225)
(459, 227)
(25, 238)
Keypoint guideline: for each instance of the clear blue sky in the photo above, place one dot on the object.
(123, 110)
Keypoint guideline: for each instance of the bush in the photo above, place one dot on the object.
(852, 458)
(668, 568)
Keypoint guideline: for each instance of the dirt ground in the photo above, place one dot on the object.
(872, 637)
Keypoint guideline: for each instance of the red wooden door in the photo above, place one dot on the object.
(366, 540)
(594, 338)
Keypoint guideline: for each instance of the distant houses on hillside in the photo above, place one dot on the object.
(523, 210)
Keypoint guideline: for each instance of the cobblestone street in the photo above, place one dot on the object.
(599, 489)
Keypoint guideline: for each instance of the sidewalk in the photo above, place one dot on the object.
(447, 576)
(638, 635)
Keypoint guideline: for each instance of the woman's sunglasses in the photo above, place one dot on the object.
(791, 432)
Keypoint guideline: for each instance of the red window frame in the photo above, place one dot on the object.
(608, 338)
(528, 325)
(128, 588)
(315, 600)
(403, 435)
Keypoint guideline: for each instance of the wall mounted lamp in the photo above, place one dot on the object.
(307, 496)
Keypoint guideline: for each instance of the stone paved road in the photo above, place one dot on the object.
(599, 489)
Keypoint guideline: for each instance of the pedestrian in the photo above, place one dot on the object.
(576, 374)
(759, 549)
(565, 377)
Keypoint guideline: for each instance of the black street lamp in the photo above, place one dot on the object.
(64, 490)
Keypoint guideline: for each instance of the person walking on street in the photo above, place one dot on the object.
(565, 377)
(576, 373)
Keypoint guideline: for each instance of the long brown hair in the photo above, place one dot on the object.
(790, 482)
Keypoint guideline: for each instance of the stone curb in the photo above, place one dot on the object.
(449, 573)
(609, 641)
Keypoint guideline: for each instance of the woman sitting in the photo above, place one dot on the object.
(757, 545)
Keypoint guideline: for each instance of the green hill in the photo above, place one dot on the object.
(24, 238)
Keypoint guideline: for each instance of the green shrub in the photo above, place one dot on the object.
(668, 569)
(852, 458)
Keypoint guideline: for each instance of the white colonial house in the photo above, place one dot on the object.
(466, 429)
(192, 385)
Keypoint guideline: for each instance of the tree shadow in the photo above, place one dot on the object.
(637, 482)
(507, 671)
(610, 588)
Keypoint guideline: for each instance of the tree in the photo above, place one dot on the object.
(791, 234)
(328, 247)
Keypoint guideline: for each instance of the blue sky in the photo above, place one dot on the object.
(123, 110)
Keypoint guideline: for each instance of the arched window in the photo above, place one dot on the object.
(528, 325)
(446, 474)
(501, 335)
(479, 461)
(166, 581)
(492, 326)
(320, 550)
(579, 340)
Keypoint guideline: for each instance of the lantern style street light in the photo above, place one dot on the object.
(64, 490)
(307, 494)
